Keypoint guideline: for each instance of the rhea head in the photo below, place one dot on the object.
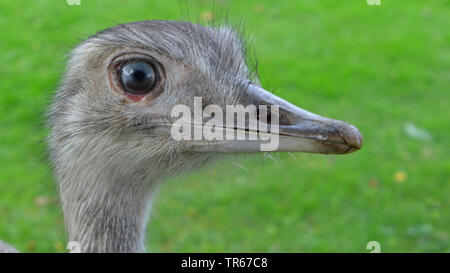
(111, 120)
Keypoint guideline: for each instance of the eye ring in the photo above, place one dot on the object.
(144, 79)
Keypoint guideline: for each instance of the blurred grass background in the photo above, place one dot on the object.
(385, 69)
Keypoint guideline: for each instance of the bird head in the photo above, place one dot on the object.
(115, 104)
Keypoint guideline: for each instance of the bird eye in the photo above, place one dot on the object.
(138, 77)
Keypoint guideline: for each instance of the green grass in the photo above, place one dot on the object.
(376, 67)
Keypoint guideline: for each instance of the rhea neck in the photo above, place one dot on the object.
(105, 211)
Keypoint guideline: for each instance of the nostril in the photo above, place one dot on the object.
(264, 115)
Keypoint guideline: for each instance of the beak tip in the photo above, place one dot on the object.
(352, 137)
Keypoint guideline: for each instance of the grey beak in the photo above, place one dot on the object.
(297, 130)
(304, 131)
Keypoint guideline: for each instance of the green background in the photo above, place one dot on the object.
(378, 67)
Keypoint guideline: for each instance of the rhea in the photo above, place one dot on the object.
(110, 121)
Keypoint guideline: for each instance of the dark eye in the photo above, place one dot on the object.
(138, 77)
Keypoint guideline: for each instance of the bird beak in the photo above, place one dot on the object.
(297, 131)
